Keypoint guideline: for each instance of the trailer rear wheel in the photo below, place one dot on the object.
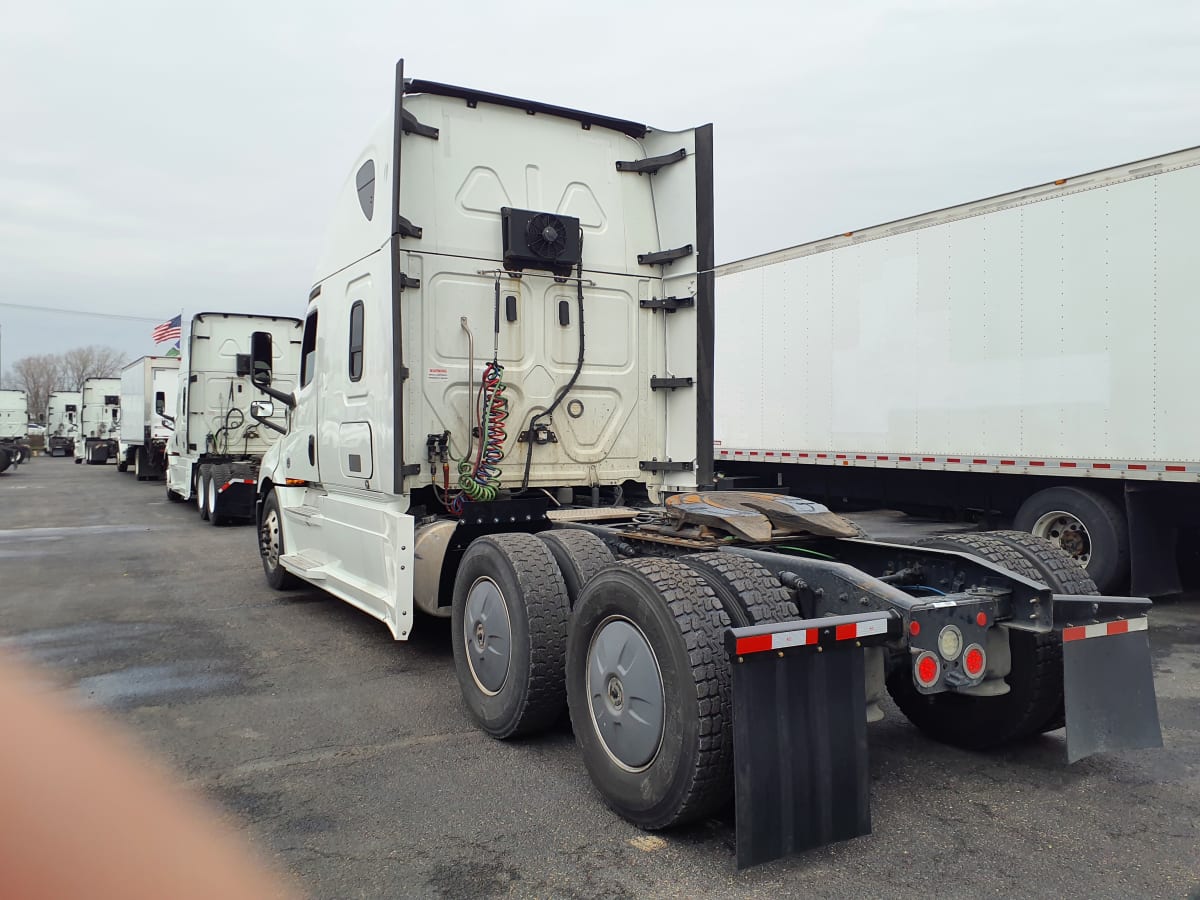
(648, 692)
(203, 481)
(1086, 525)
(580, 556)
(270, 546)
(750, 594)
(509, 634)
(1035, 682)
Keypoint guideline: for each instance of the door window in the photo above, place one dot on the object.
(308, 350)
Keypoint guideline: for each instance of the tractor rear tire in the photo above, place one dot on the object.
(580, 556)
(749, 593)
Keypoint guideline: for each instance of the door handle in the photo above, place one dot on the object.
(312, 450)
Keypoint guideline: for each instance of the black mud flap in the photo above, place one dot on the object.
(800, 733)
(1108, 688)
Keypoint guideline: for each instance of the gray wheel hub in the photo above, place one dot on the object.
(1065, 531)
(625, 692)
(270, 538)
(487, 635)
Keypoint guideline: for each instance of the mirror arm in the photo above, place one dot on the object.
(272, 425)
(288, 399)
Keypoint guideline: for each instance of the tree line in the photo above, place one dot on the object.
(42, 373)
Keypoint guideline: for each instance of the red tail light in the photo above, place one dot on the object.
(974, 661)
(927, 669)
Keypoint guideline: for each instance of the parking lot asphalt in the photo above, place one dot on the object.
(349, 760)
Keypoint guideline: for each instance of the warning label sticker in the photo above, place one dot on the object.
(439, 374)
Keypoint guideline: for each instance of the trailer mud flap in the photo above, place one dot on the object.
(1108, 688)
(800, 733)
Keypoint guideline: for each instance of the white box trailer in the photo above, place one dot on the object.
(217, 444)
(62, 422)
(100, 421)
(14, 422)
(522, 294)
(148, 395)
(1027, 358)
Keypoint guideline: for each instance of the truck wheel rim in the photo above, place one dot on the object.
(1065, 531)
(211, 493)
(625, 693)
(200, 494)
(270, 539)
(487, 635)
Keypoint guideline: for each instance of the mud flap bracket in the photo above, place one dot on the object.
(800, 732)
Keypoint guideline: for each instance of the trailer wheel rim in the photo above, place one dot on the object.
(487, 635)
(625, 694)
(270, 538)
(1067, 532)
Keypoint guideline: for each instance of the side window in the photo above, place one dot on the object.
(365, 182)
(356, 340)
(308, 350)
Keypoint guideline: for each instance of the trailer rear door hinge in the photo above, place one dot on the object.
(651, 164)
(669, 384)
(405, 228)
(664, 465)
(411, 126)
(664, 257)
(406, 282)
(670, 304)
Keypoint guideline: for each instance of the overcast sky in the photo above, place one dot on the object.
(157, 156)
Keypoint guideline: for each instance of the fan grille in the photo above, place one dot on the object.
(546, 235)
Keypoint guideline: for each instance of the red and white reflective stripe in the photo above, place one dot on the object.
(1104, 629)
(1102, 467)
(804, 637)
(235, 481)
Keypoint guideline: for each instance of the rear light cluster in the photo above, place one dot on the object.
(927, 666)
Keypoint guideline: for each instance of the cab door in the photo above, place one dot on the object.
(300, 444)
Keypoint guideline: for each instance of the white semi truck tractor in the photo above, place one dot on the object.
(62, 422)
(504, 417)
(99, 421)
(1022, 360)
(148, 394)
(215, 448)
(14, 423)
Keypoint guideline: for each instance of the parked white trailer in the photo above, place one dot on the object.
(1029, 357)
(217, 442)
(506, 387)
(148, 395)
(14, 421)
(100, 421)
(62, 422)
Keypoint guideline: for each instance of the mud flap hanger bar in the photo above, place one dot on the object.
(800, 731)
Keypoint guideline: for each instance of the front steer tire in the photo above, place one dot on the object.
(662, 605)
(509, 634)
(270, 546)
(1035, 683)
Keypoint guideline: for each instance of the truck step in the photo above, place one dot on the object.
(308, 568)
(310, 514)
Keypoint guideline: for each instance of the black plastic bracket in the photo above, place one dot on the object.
(542, 434)
(651, 164)
(406, 282)
(411, 126)
(670, 304)
(669, 384)
(664, 465)
(664, 257)
(405, 228)
(410, 469)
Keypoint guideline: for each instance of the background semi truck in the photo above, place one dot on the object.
(62, 422)
(503, 416)
(100, 421)
(1024, 359)
(217, 444)
(149, 388)
(14, 422)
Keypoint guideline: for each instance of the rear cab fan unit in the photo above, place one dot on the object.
(540, 240)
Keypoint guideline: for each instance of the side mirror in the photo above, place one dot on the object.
(262, 409)
(261, 357)
(160, 402)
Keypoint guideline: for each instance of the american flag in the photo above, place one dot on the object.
(167, 331)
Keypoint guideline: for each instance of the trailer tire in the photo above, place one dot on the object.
(270, 546)
(579, 554)
(203, 480)
(78, 460)
(509, 634)
(749, 593)
(660, 618)
(218, 476)
(1035, 682)
(1087, 525)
